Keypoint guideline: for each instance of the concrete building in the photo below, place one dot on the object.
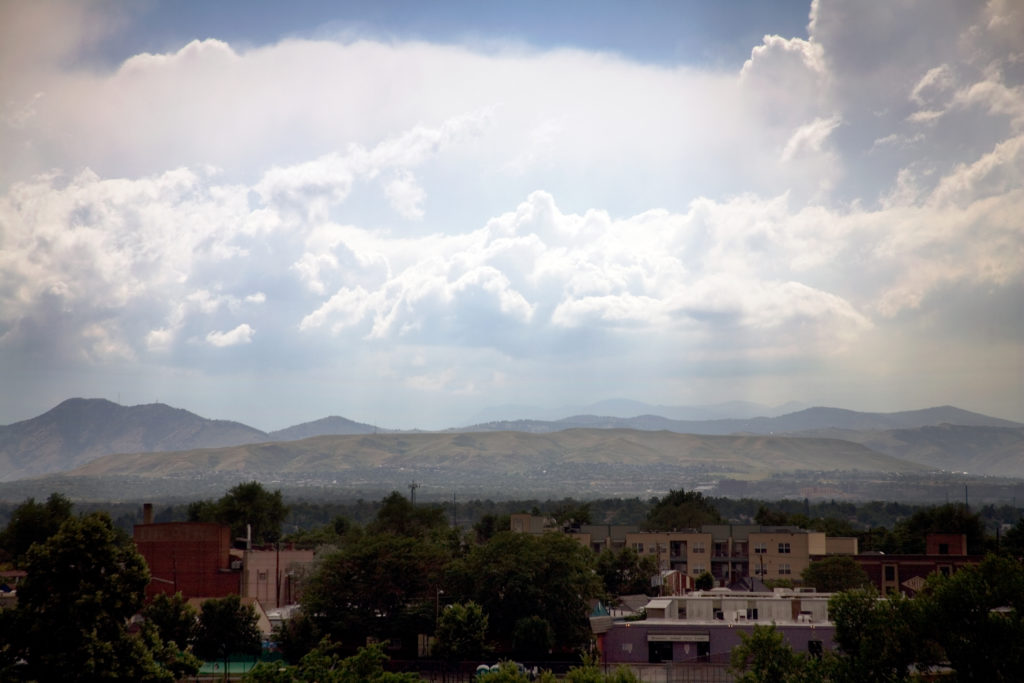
(705, 626)
(272, 575)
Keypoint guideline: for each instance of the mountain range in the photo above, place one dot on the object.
(80, 430)
(98, 438)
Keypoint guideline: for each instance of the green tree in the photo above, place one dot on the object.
(878, 639)
(767, 517)
(1013, 540)
(835, 573)
(532, 637)
(33, 522)
(953, 518)
(977, 616)
(517, 575)
(589, 672)
(704, 582)
(625, 572)
(461, 632)
(173, 617)
(489, 525)
(510, 672)
(569, 513)
(247, 505)
(332, 533)
(399, 516)
(83, 584)
(380, 585)
(324, 664)
(226, 627)
(764, 656)
(679, 510)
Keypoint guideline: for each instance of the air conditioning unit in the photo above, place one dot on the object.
(236, 564)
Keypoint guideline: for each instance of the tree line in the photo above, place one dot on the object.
(480, 592)
(870, 521)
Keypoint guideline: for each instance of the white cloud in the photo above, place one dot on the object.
(406, 195)
(240, 335)
(489, 209)
(809, 138)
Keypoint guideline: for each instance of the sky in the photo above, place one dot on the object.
(405, 213)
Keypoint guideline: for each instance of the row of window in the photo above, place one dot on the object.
(760, 548)
(698, 547)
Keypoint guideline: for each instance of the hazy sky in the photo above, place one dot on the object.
(404, 212)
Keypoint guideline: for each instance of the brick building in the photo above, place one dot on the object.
(191, 557)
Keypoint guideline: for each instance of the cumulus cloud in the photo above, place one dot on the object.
(572, 206)
(809, 138)
(240, 335)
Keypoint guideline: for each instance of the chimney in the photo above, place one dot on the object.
(147, 513)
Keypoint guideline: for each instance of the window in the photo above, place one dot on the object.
(699, 569)
(784, 548)
(945, 569)
(751, 613)
(760, 548)
(638, 547)
(784, 568)
(890, 572)
(698, 546)
(943, 549)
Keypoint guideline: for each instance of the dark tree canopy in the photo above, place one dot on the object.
(908, 536)
(381, 585)
(399, 516)
(570, 513)
(679, 510)
(764, 656)
(515, 576)
(625, 572)
(977, 616)
(325, 664)
(226, 626)
(835, 573)
(83, 584)
(1013, 541)
(173, 618)
(33, 522)
(461, 632)
(489, 525)
(879, 640)
(247, 504)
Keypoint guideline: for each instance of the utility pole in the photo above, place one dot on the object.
(412, 491)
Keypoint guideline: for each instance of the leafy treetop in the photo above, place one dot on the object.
(679, 510)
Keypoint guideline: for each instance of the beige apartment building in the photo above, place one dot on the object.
(784, 554)
(730, 552)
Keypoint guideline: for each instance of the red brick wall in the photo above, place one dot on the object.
(191, 557)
